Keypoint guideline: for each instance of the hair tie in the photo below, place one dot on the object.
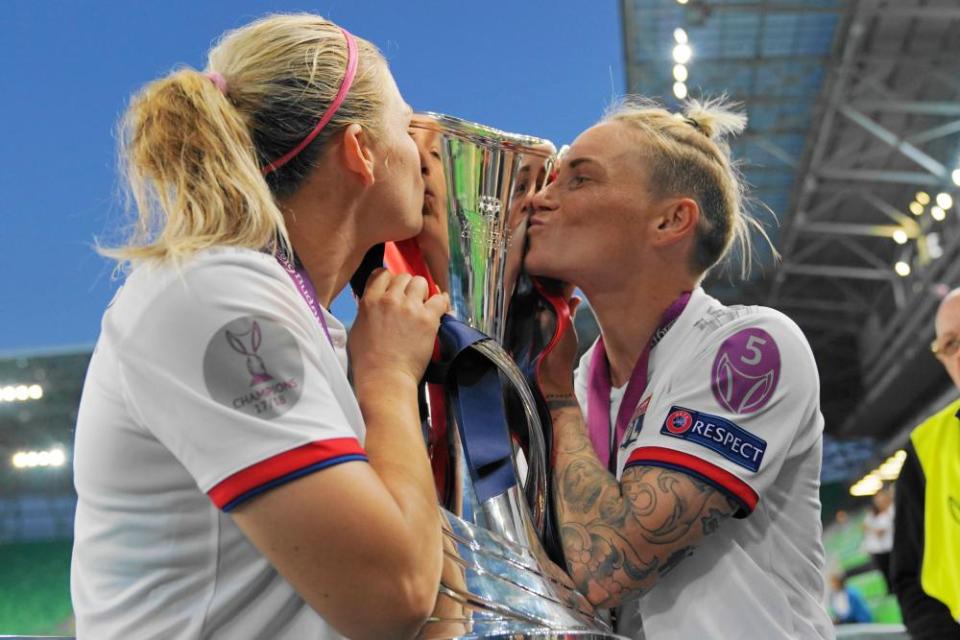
(693, 123)
(348, 76)
(218, 81)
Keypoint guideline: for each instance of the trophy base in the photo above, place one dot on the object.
(553, 635)
(492, 588)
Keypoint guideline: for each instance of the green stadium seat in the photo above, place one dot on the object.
(35, 588)
(870, 584)
(886, 610)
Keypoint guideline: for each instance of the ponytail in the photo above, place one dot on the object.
(192, 145)
(192, 173)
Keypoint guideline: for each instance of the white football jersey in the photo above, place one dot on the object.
(209, 385)
(733, 400)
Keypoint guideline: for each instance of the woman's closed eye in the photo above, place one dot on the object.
(950, 346)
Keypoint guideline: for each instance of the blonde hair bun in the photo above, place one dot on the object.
(716, 118)
(687, 153)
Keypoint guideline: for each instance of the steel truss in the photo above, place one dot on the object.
(887, 126)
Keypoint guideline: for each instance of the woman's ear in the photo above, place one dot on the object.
(357, 155)
(677, 220)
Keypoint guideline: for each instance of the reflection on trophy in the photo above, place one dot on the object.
(498, 581)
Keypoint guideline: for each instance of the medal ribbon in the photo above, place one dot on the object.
(303, 284)
(599, 387)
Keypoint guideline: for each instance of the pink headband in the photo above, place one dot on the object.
(348, 76)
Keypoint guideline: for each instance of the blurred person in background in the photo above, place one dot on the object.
(845, 603)
(231, 482)
(878, 531)
(688, 443)
(925, 561)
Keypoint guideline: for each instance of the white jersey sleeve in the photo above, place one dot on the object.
(229, 370)
(736, 408)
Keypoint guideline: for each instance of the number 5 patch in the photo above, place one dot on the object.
(746, 371)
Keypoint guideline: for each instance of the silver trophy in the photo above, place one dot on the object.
(498, 581)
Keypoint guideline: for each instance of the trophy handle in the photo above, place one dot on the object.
(471, 365)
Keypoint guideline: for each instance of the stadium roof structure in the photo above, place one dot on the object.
(854, 132)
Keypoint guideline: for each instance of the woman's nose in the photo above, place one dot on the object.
(542, 200)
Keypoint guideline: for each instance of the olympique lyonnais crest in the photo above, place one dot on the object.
(641, 409)
(636, 424)
(746, 371)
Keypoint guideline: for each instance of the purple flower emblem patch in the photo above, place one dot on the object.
(746, 371)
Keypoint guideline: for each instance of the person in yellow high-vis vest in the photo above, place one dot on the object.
(925, 563)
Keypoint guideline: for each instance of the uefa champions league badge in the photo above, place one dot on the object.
(254, 365)
(746, 371)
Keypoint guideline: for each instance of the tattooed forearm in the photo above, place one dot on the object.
(580, 486)
(621, 537)
(569, 432)
(613, 566)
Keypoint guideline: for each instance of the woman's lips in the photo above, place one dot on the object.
(429, 202)
(536, 221)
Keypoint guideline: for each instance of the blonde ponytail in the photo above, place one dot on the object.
(192, 151)
(192, 173)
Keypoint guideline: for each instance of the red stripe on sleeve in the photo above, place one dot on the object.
(722, 478)
(280, 465)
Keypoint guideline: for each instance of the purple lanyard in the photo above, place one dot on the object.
(301, 280)
(599, 387)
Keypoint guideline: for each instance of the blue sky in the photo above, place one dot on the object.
(530, 66)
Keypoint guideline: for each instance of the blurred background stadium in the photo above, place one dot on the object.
(853, 144)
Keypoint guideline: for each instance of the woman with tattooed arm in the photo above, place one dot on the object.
(688, 442)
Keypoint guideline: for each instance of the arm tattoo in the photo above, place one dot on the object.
(621, 537)
(711, 521)
(675, 559)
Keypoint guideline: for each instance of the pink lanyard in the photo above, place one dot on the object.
(599, 387)
(302, 282)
